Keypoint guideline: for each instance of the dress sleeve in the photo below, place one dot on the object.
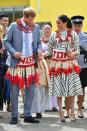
(51, 44)
(76, 45)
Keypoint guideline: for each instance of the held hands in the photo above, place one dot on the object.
(17, 55)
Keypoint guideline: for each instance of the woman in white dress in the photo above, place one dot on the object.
(50, 101)
(42, 101)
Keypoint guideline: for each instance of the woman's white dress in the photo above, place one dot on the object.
(42, 101)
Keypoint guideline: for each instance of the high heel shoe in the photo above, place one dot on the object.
(73, 119)
(80, 115)
(62, 118)
(67, 115)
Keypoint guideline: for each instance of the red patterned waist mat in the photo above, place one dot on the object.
(24, 74)
(25, 62)
(60, 55)
(67, 67)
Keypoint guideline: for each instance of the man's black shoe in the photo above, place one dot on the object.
(38, 115)
(30, 120)
(55, 109)
(14, 120)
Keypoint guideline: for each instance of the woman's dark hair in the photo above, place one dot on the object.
(63, 18)
(69, 24)
(47, 23)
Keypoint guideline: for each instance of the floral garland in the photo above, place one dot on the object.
(68, 37)
(45, 40)
(25, 29)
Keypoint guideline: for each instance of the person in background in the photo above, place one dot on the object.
(64, 69)
(77, 24)
(4, 20)
(23, 43)
(3, 57)
(42, 101)
(50, 102)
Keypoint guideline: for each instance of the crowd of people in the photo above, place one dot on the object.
(44, 66)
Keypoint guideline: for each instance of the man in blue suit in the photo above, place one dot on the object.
(23, 43)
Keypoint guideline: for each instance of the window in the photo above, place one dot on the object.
(13, 12)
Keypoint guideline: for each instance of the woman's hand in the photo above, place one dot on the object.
(72, 54)
(40, 55)
(44, 54)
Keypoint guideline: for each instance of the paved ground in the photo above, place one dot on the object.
(48, 123)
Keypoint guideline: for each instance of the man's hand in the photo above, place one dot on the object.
(17, 55)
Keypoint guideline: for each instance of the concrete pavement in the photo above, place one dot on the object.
(50, 122)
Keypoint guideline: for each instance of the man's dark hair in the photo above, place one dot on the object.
(3, 15)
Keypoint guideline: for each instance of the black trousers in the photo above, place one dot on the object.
(83, 77)
(1, 93)
(2, 88)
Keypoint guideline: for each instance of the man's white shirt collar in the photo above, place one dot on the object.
(23, 23)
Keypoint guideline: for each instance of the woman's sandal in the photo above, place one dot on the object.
(66, 116)
(73, 119)
(63, 120)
